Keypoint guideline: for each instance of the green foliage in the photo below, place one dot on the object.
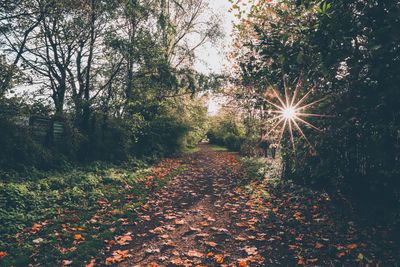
(345, 50)
(226, 130)
(69, 198)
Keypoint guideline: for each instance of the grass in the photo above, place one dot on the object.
(219, 148)
(191, 150)
(69, 216)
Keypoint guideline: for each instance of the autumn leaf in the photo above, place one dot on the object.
(66, 262)
(301, 261)
(318, 245)
(340, 254)
(352, 246)
(92, 263)
(117, 256)
(219, 258)
(195, 254)
(3, 254)
(78, 237)
(179, 222)
(124, 240)
(242, 263)
(177, 261)
(211, 244)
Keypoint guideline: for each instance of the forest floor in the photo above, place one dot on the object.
(208, 216)
(205, 208)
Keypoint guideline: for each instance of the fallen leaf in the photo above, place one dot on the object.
(38, 240)
(340, 254)
(92, 263)
(179, 222)
(360, 257)
(219, 258)
(194, 253)
(3, 254)
(66, 262)
(117, 256)
(177, 261)
(123, 240)
(78, 237)
(211, 244)
(242, 263)
(318, 245)
(352, 246)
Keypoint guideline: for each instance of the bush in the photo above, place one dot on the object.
(226, 131)
(162, 137)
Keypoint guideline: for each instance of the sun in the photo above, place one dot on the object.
(291, 112)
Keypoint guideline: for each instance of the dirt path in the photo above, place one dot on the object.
(191, 220)
(207, 217)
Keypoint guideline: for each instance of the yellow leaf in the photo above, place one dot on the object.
(360, 257)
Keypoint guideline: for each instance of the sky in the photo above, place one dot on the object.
(213, 59)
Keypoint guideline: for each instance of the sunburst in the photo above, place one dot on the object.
(290, 113)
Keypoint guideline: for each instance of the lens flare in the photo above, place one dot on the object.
(290, 114)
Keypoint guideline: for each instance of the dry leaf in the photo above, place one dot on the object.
(92, 263)
(219, 258)
(194, 253)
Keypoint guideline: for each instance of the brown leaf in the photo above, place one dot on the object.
(352, 246)
(92, 263)
(219, 258)
(195, 254)
(179, 222)
(318, 245)
(123, 240)
(117, 256)
(178, 262)
(211, 244)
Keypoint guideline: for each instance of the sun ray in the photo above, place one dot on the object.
(291, 134)
(309, 124)
(293, 113)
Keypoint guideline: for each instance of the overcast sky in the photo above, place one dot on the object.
(211, 58)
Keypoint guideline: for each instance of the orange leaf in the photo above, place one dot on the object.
(78, 237)
(211, 244)
(194, 253)
(318, 245)
(219, 258)
(3, 254)
(92, 263)
(352, 246)
(243, 263)
(210, 254)
(301, 261)
(340, 254)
